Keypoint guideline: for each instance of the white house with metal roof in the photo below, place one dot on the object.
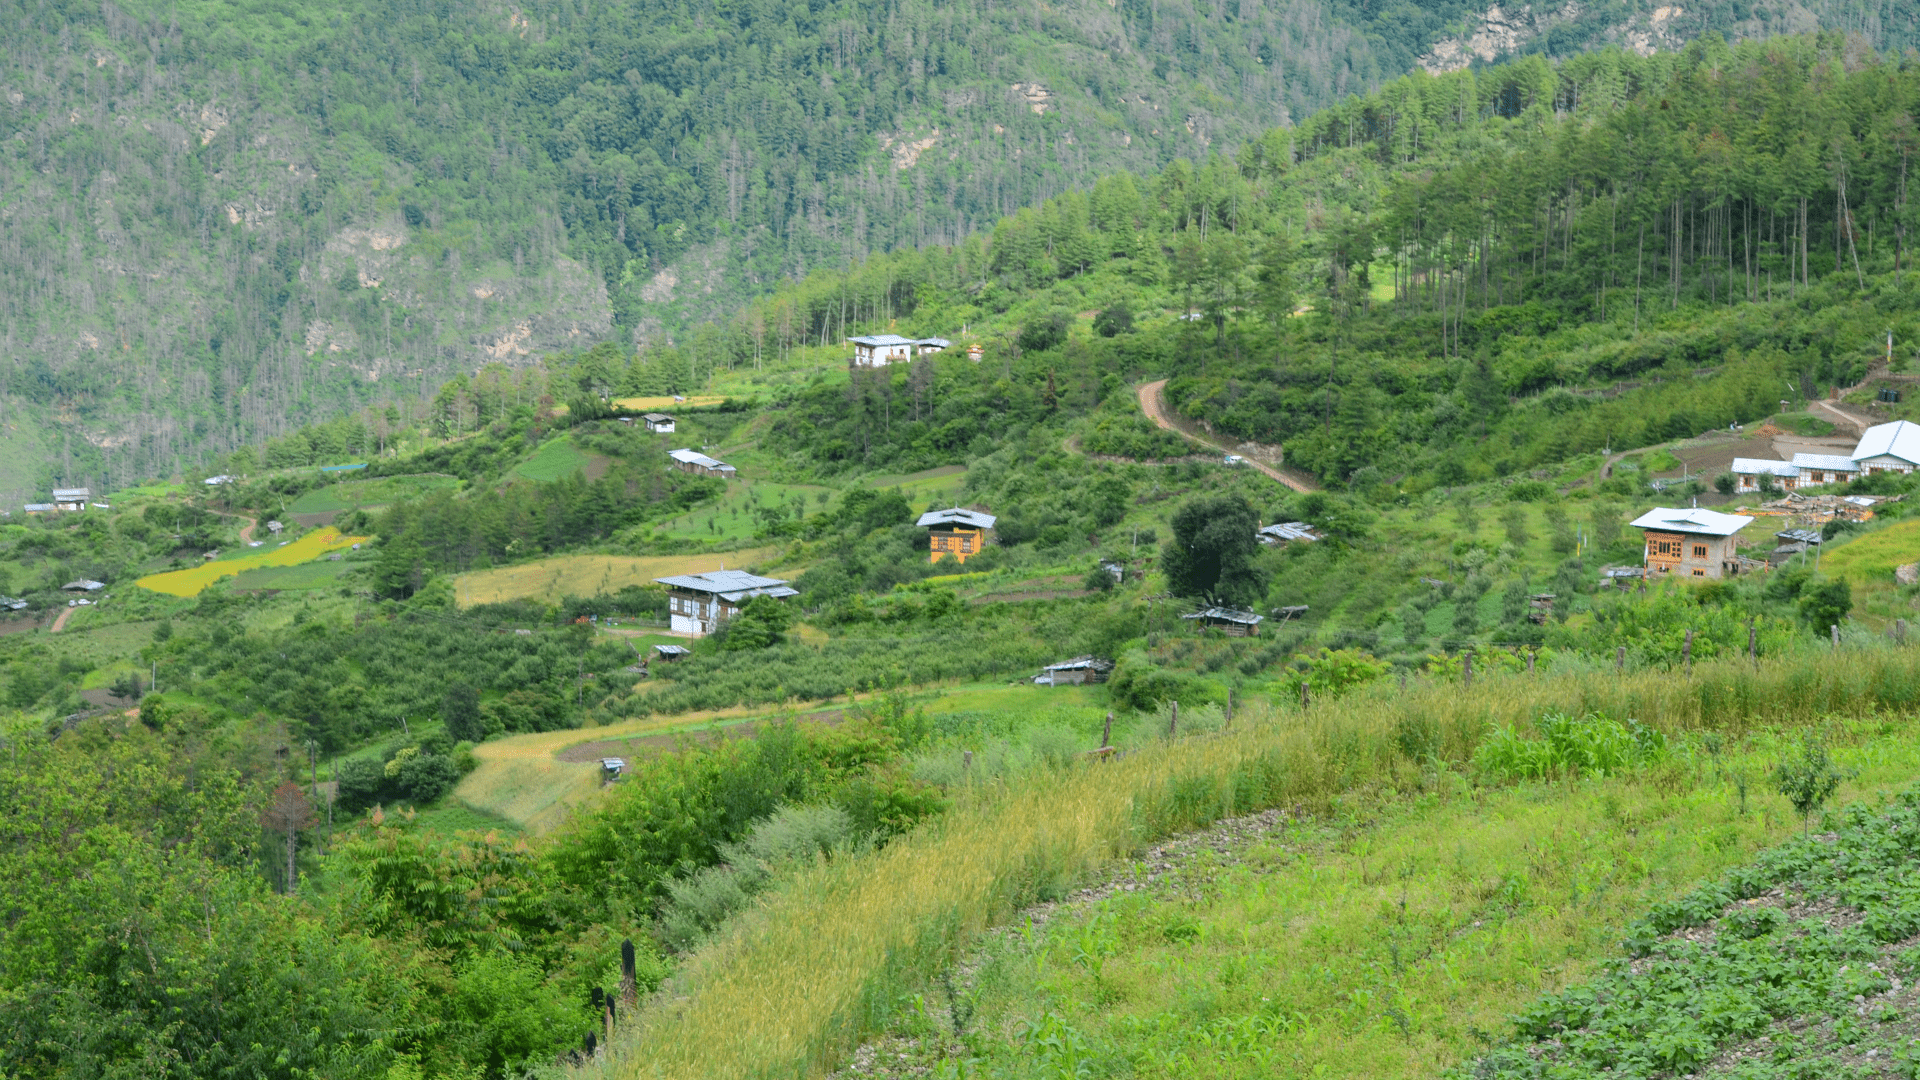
(1690, 541)
(698, 603)
(71, 498)
(1825, 468)
(879, 350)
(1891, 447)
(658, 423)
(1748, 471)
(693, 461)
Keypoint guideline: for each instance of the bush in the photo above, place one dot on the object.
(362, 782)
(1825, 603)
(1593, 743)
(423, 778)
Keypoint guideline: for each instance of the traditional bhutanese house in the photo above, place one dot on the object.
(1891, 447)
(879, 350)
(1748, 471)
(1691, 542)
(698, 603)
(1232, 621)
(36, 509)
(694, 461)
(956, 532)
(71, 498)
(1079, 671)
(1287, 533)
(659, 423)
(1824, 469)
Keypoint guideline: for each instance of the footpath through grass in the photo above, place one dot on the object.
(835, 955)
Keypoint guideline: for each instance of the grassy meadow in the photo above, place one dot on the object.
(195, 579)
(358, 494)
(552, 461)
(548, 580)
(839, 952)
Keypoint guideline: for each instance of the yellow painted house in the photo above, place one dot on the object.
(956, 532)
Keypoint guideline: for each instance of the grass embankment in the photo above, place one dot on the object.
(824, 962)
(587, 575)
(556, 459)
(366, 494)
(1388, 937)
(193, 580)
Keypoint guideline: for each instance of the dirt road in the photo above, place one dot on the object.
(60, 623)
(1857, 423)
(1156, 410)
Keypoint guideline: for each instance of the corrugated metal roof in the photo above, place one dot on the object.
(1079, 663)
(1826, 462)
(1900, 439)
(1291, 530)
(1691, 520)
(881, 340)
(673, 650)
(726, 581)
(1757, 466)
(654, 417)
(1228, 615)
(972, 519)
(71, 494)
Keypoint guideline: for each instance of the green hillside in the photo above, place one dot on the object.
(226, 221)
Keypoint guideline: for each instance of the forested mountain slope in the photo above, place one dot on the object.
(226, 220)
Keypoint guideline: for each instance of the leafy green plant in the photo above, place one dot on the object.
(1808, 778)
(1567, 745)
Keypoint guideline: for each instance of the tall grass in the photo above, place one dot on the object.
(820, 963)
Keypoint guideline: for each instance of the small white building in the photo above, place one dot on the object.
(879, 350)
(1748, 471)
(693, 461)
(658, 423)
(1891, 447)
(71, 498)
(698, 603)
(216, 481)
(1824, 469)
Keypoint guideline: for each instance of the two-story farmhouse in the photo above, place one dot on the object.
(1691, 542)
(879, 350)
(1891, 447)
(71, 498)
(698, 603)
(956, 532)
(658, 423)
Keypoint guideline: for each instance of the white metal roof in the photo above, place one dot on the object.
(35, 507)
(83, 585)
(881, 340)
(1756, 466)
(934, 342)
(672, 650)
(1826, 462)
(1899, 439)
(1691, 520)
(1228, 615)
(1291, 530)
(215, 481)
(71, 494)
(972, 519)
(1080, 662)
(695, 457)
(656, 417)
(733, 584)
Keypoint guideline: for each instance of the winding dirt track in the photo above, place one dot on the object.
(1152, 404)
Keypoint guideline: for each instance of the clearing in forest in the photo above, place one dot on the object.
(194, 579)
(588, 575)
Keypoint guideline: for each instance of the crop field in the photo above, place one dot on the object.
(319, 574)
(194, 579)
(1450, 935)
(587, 575)
(936, 485)
(733, 517)
(354, 494)
(554, 460)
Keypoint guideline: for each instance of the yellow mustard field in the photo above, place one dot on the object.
(193, 580)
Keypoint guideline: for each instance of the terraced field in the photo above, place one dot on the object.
(194, 580)
(587, 575)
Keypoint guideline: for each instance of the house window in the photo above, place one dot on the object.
(1699, 573)
(1699, 551)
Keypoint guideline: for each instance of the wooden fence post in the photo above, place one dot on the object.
(1106, 733)
(1900, 631)
(1529, 661)
(1753, 641)
(1173, 721)
(1620, 659)
(629, 977)
(1466, 671)
(1686, 652)
(1303, 695)
(1403, 680)
(1229, 723)
(966, 761)
(1835, 627)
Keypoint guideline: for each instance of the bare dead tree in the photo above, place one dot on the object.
(289, 811)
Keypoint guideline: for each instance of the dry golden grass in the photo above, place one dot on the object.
(666, 404)
(817, 966)
(588, 575)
